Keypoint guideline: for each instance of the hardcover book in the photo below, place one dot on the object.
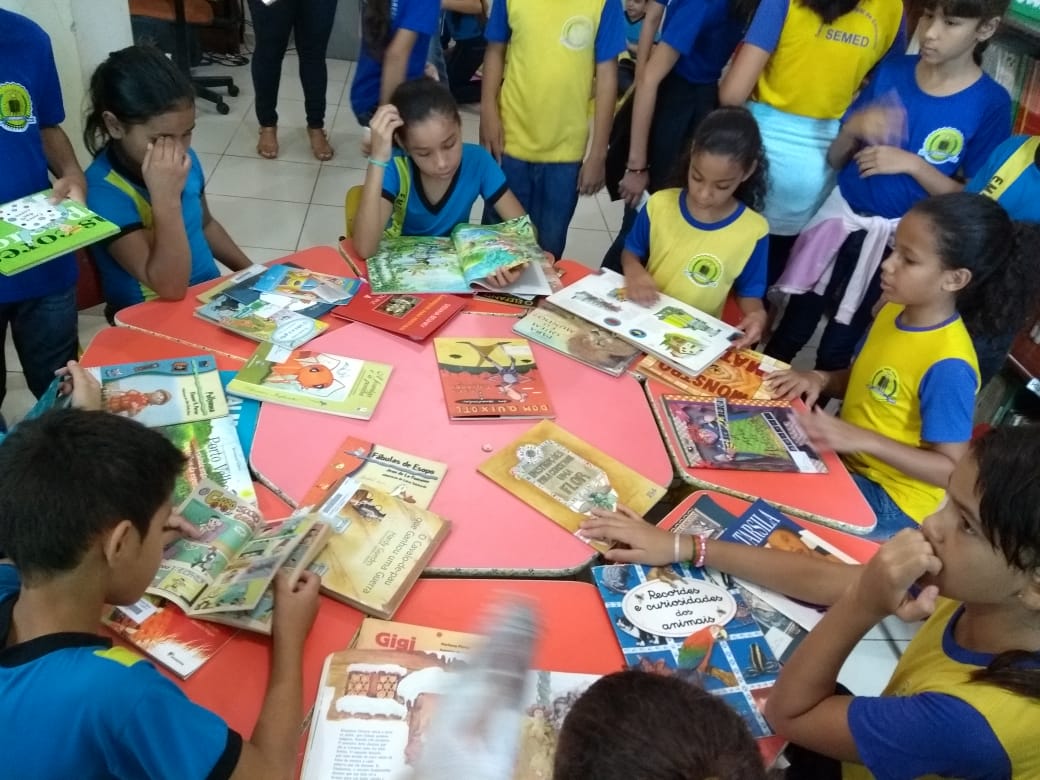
(737, 375)
(413, 316)
(33, 230)
(685, 338)
(577, 338)
(313, 380)
(564, 478)
(489, 378)
(717, 433)
(377, 634)
(163, 392)
(461, 263)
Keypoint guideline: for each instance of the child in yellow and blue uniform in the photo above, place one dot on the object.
(84, 525)
(535, 119)
(698, 242)
(147, 180)
(964, 699)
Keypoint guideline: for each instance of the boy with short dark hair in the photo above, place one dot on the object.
(84, 502)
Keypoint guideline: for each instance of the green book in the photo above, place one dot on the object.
(33, 230)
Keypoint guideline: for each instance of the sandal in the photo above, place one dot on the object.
(320, 144)
(267, 146)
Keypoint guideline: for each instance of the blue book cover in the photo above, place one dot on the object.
(245, 412)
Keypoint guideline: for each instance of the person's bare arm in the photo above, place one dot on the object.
(887, 160)
(220, 243)
(593, 169)
(740, 79)
(374, 210)
(61, 160)
(647, 33)
(395, 62)
(810, 385)
(491, 134)
(508, 207)
(462, 6)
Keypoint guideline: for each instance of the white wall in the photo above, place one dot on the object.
(82, 33)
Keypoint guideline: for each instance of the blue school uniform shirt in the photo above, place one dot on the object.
(463, 27)
(72, 705)
(704, 33)
(478, 176)
(30, 100)
(953, 133)
(120, 196)
(1021, 199)
(421, 17)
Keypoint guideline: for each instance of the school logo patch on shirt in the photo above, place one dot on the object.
(704, 270)
(884, 385)
(579, 33)
(16, 108)
(943, 145)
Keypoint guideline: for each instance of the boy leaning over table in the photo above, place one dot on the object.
(84, 514)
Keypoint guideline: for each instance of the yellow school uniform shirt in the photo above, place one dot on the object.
(883, 395)
(933, 663)
(816, 68)
(550, 64)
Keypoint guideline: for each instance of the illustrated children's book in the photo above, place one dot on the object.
(313, 380)
(33, 230)
(673, 620)
(716, 433)
(461, 263)
(683, 337)
(578, 338)
(262, 321)
(564, 478)
(407, 477)
(163, 392)
(489, 377)
(229, 565)
(413, 316)
(212, 452)
(738, 375)
(245, 412)
(378, 634)
(168, 636)
(287, 285)
(378, 547)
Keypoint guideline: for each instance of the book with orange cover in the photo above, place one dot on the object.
(738, 375)
(564, 478)
(405, 314)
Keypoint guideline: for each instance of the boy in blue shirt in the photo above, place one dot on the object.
(84, 503)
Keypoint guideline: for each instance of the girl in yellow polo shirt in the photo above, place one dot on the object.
(698, 242)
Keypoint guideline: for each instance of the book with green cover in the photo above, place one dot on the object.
(314, 380)
(33, 230)
(461, 263)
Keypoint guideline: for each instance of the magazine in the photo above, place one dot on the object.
(491, 377)
(738, 375)
(412, 316)
(683, 337)
(461, 263)
(163, 392)
(33, 230)
(262, 321)
(716, 433)
(312, 380)
(577, 338)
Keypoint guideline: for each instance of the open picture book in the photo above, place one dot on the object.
(462, 262)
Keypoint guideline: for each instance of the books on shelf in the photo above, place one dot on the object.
(314, 380)
(33, 230)
(262, 321)
(163, 392)
(738, 374)
(564, 478)
(378, 547)
(683, 337)
(409, 315)
(717, 433)
(674, 620)
(491, 378)
(577, 338)
(461, 263)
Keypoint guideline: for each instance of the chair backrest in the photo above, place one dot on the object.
(88, 285)
(350, 207)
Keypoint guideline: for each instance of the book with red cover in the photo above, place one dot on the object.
(413, 316)
(491, 378)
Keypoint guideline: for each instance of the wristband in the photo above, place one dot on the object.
(676, 551)
(700, 550)
(636, 170)
(379, 163)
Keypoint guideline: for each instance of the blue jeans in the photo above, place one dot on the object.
(549, 193)
(44, 332)
(890, 518)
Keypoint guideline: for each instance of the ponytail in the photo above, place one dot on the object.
(375, 26)
(829, 10)
(1017, 671)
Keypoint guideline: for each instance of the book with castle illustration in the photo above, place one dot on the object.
(738, 374)
(491, 378)
(577, 338)
(163, 392)
(462, 262)
(378, 547)
(564, 478)
(685, 338)
(717, 433)
(33, 230)
(404, 700)
(312, 380)
(674, 620)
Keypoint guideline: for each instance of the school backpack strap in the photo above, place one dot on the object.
(404, 176)
(1013, 167)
